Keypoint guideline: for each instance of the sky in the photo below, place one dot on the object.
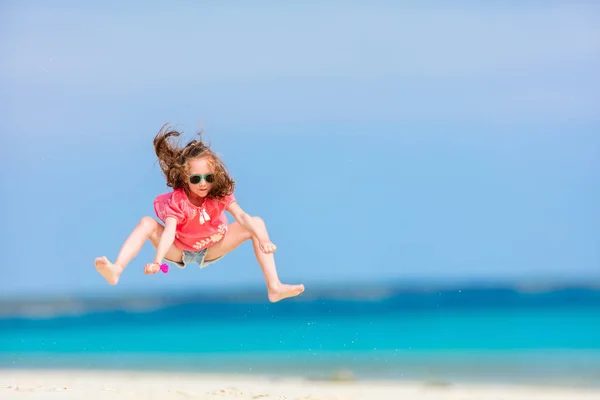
(380, 141)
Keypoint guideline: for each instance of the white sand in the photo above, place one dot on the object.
(89, 385)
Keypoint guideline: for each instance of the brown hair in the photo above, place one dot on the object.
(173, 161)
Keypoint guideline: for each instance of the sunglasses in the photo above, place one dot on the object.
(197, 178)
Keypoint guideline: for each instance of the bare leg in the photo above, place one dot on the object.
(236, 235)
(147, 228)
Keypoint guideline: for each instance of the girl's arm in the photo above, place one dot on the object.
(252, 225)
(166, 239)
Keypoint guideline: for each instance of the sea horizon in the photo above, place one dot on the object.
(537, 334)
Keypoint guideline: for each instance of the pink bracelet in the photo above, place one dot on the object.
(164, 268)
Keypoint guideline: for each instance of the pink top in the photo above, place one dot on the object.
(197, 227)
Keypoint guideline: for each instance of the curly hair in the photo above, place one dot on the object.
(173, 161)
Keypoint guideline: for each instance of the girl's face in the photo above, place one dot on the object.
(200, 176)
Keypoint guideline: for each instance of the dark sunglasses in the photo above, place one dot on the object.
(197, 178)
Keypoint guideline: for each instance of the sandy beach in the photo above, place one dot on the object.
(92, 385)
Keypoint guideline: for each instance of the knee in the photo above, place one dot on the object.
(148, 224)
(259, 221)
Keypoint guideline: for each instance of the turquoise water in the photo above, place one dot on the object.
(444, 336)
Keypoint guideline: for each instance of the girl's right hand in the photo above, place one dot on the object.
(151, 268)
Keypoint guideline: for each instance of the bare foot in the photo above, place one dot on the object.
(108, 270)
(284, 291)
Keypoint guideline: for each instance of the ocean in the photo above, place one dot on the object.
(436, 336)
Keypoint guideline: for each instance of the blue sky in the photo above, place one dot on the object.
(379, 141)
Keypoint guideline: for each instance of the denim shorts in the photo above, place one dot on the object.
(190, 257)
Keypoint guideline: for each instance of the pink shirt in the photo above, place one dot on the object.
(197, 227)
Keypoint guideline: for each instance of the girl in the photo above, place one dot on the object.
(195, 225)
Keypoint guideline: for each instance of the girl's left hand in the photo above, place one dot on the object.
(267, 247)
